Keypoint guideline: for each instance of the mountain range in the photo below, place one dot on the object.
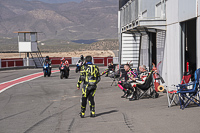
(86, 19)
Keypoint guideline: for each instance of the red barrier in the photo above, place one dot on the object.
(109, 59)
(98, 60)
(57, 60)
(14, 62)
(102, 60)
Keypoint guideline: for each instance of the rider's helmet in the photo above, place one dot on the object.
(47, 57)
(63, 59)
(82, 57)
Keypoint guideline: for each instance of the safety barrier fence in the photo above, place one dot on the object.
(20, 62)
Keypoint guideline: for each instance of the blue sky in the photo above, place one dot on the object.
(57, 1)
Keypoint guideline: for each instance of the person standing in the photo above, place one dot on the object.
(90, 77)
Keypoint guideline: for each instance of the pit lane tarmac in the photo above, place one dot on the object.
(52, 105)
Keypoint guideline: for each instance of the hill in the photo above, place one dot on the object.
(89, 19)
(58, 45)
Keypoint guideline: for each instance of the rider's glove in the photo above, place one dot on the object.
(78, 85)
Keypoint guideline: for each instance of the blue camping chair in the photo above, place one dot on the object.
(186, 96)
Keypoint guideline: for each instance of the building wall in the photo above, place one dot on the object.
(171, 71)
(144, 5)
(187, 9)
(177, 11)
(198, 35)
(198, 42)
(198, 7)
(172, 53)
(171, 11)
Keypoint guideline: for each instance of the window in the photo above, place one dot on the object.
(144, 14)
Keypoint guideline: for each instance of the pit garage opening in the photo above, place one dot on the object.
(188, 43)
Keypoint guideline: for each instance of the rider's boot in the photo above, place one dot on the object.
(82, 113)
(92, 111)
(125, 94)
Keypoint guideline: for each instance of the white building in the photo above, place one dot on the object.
(160, 30)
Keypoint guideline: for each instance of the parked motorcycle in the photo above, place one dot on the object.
(46, 70)
(64, 71)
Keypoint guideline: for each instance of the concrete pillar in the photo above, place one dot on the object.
(27, 61)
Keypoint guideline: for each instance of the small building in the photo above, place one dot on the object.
(165, 32)
(28, 43)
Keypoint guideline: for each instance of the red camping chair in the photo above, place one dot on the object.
(172, 95)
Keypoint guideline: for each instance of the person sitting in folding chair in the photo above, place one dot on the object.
(111, 67)
(125, 86)
(143, 84)
(140, 80)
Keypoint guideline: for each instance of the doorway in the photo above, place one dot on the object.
(152, 50)
(188, 44)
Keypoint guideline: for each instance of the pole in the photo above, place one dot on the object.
(27, 61)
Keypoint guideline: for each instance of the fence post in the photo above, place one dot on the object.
(74, 60)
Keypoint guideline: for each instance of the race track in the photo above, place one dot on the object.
(52, 105)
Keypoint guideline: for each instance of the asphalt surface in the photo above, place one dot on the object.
(52, 105)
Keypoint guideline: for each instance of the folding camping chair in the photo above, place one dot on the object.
(172, 95)
(186, 96)
(148, 86)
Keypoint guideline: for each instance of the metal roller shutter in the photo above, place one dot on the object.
(130, 49)
(144, 52)
(160, 39)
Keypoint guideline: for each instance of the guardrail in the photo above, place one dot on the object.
(57, 60)
(11, 62)
(20, 62)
